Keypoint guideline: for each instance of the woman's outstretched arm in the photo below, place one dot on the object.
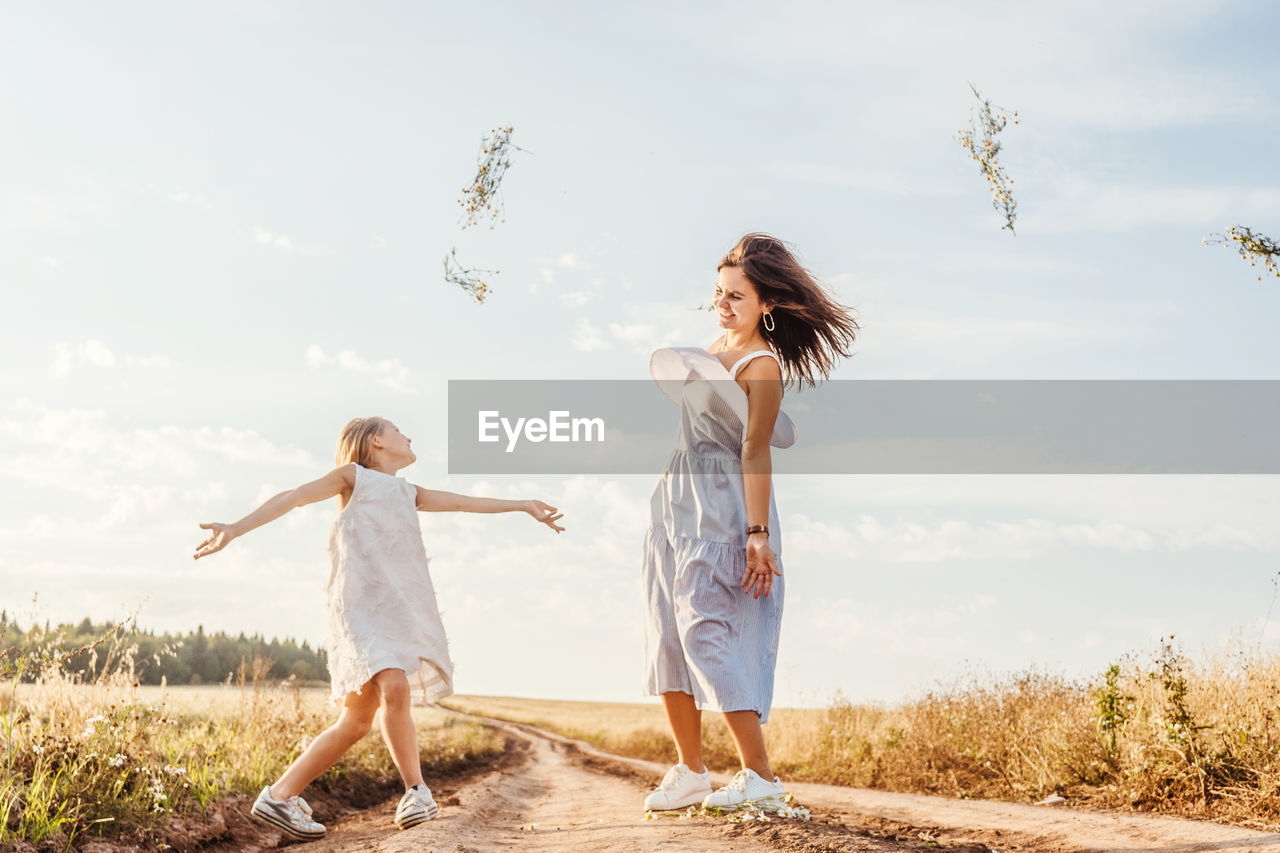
(338, 481)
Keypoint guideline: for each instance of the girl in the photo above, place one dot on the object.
(385, 637)
(712, 556)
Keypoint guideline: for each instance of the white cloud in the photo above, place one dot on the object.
(78, 202)
(77, 449)
(135, 492)
(881, 180)
(576, 298)
(1129, 73)
(182, 195)
(94, 353)
(587, 337)
(391, 372)
(901, 540)
(379, 242)
(847, 624)
(1083, 204)
(655, 325)
(571, 261)
(263, 237)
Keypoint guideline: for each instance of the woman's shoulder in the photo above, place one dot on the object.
(761, 364)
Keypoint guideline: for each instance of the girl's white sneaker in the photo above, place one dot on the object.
(748, 787)
(292, 815)
(416, 806)
(680, 787)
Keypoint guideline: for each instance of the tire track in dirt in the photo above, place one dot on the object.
(545, 801)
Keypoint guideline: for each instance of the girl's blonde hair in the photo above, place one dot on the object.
(355, 439)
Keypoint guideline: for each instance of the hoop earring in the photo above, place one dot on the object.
(768, 321)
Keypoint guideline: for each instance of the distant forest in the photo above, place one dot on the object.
(192, 658)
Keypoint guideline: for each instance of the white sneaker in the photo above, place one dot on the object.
(748, 788)
(416, 806)
(292, 815)
(680, 787)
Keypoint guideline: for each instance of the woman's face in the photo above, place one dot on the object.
(736, 303)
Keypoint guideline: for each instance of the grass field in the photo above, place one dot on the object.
(112, 759)
(1157, 732)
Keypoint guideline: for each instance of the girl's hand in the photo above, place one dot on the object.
(545, 513)
(762, 565)
(221, 536)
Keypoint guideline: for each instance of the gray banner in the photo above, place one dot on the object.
(611, 427)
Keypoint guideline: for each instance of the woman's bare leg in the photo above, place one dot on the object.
(398, 729)
(686, 728)
(749, 738)
(353, 723)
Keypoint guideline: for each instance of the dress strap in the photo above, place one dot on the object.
(733, 371)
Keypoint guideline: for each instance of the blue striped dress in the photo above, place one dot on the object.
(704, 635)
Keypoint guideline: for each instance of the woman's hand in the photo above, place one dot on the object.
(544, 513)
(219, 539)
(762, 565)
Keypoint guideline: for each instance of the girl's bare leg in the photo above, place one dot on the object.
(398, 729)
(353, 723)
(749, 738)
(686, 728)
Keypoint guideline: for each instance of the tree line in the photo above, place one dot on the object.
(191, 658)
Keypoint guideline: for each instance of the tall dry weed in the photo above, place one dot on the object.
(101, 756)
(1155, 731)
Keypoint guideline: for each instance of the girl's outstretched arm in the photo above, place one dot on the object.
(430, 500)
(338, 481)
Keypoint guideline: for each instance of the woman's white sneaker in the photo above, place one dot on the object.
(416, 806)
(292, 815)
(748, 787)
(680, 787)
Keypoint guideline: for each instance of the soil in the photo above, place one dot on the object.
(550, 793)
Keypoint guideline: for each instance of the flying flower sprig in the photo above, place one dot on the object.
(468, 279)
(981, 143)
(484, 196)
(1251, 245)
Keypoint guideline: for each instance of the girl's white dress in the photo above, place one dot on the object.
(382, 605)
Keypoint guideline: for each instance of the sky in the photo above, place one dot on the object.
(221, 237)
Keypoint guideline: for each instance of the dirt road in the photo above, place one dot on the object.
(556, 794)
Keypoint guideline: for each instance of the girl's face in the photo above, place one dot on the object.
(737, 305)
(396, 444)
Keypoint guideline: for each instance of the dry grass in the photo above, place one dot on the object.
(638, 729)
(1158, 732)
(114, 759)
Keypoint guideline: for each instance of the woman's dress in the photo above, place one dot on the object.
(705, 635)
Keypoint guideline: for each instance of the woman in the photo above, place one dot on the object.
(712, 570)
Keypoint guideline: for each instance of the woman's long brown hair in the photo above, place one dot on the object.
(810, 329)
